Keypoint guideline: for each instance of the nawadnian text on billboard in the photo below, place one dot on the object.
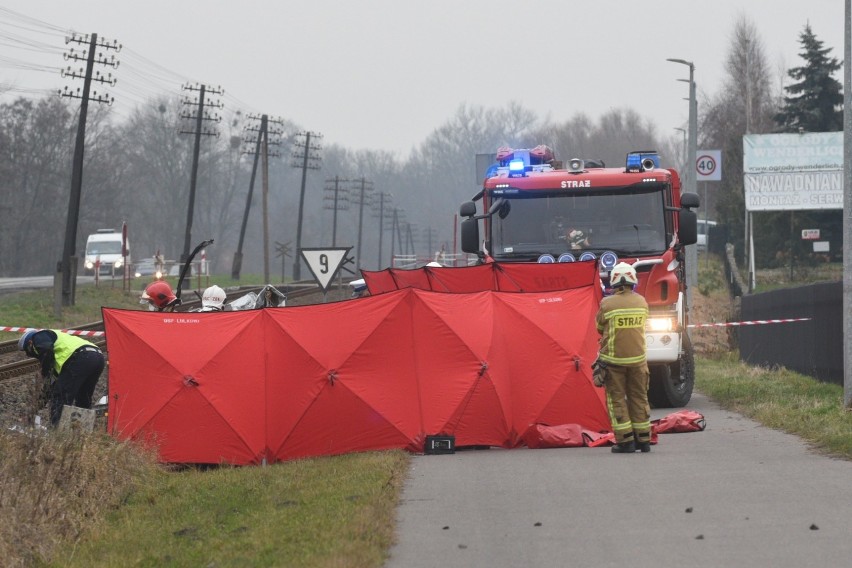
(799, 190)
(785, 172)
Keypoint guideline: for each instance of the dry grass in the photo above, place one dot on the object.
(54, 487)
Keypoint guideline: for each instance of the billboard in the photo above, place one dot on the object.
(784, 172)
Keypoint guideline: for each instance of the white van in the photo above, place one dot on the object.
(105, 246)
(704, 228)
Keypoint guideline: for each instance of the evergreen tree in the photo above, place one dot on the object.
(815, 101)
(814, 104)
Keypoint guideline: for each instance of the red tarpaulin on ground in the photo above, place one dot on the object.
(373, 373)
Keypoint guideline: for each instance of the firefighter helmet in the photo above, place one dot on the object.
(159, 294)
(623, 275)
(213, 299)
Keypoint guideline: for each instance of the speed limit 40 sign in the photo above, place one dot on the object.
(708, 165)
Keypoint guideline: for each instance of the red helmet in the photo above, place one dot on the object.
(159, 294)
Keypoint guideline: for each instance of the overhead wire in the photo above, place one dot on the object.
(139, 80)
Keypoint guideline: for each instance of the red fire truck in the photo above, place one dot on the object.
(535, 209)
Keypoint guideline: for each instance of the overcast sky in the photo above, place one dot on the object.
(383, 74)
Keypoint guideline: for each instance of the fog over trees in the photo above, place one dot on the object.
(137, 168)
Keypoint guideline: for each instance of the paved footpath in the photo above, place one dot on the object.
(736, 494)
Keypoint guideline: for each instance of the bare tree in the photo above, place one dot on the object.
(35, 160)
(746, 104)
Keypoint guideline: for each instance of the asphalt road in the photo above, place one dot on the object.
(736, 494)
(19, 284)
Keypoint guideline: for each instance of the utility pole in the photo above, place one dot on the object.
(307, 157)
(265, 210)
(237, 264)
(263, 137)
(363, 190)
(683, 150)
(68, 263)
(398, 219)
(691, 174)
(393, 232)
(409, 240)
(201, 115)
(430, 234)
(336, 198)
(385, 198)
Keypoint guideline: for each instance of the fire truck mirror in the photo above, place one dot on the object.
(470, 235)
(689, 200)
(687, 231)
(467, 209)
(498, 207)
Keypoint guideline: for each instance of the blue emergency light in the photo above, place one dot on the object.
(587, 256)
(566, 257)
(642, 161)
(516, 168)
(546, 259)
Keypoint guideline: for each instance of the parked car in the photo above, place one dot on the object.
(704, 228)
(146, 267)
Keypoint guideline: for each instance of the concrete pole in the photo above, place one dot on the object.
(847, 210)
(691, 176)
(692, 250)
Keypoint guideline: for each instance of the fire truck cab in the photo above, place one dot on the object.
(535, 209)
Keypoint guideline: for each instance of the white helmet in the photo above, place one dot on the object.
(213, 299)
(623, 274)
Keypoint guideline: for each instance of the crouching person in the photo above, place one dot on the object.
(75, 363)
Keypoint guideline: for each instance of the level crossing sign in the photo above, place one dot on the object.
(324, 263)
(708, 165)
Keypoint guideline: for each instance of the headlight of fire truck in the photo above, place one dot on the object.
(660, 323)
(662, 336)
(89, 265)
(118, 263)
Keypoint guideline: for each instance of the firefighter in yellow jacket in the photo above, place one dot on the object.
(621, 323)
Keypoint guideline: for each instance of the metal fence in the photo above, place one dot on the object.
(814, 347)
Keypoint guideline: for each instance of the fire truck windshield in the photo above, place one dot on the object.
(536, 223)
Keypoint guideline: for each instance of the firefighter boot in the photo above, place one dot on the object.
(643, 447)
(624, 448)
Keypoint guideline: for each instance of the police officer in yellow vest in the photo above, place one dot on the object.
(76, 363)
(621, 323)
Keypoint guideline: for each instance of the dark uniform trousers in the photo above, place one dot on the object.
(77, 381)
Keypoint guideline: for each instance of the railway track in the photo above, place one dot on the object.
(20, 375)
(13, 363)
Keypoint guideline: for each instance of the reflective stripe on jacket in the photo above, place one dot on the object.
(65, 346)
(621, 322)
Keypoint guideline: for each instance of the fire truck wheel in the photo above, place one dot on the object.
(671, 385)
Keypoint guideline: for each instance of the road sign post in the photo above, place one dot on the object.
(708, 167)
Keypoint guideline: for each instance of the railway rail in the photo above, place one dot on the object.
(19, 375)
(13, 363)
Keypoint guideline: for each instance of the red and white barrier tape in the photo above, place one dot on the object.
(754, 322)
(721, 324)
(68, 331)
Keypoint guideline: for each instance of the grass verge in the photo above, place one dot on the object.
(781, 399)
(332, 511)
